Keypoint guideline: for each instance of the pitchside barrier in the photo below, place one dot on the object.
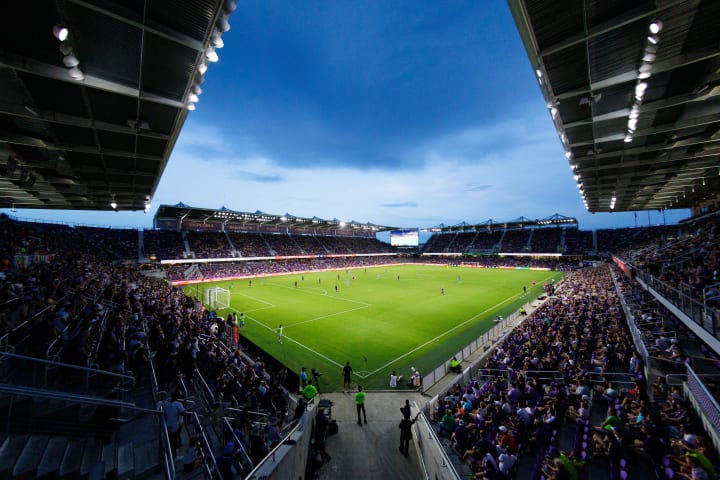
(475, 353)
(433, 458)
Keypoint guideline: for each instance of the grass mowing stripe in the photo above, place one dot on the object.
(403, 319)
(448, 331)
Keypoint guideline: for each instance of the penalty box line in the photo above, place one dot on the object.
(285, 337)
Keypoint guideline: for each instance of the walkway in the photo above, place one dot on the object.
(370, 451)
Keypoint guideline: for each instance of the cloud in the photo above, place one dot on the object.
(258, 177)
(399, 204)
(477, 188)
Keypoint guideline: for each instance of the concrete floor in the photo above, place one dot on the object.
(370, 451)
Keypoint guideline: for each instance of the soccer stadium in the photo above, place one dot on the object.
(228, 344)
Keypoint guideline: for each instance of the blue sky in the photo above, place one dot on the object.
(405, 113)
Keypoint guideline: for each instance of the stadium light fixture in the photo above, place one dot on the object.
(202, 68)
(76, 74)
(653, 39)
(113, 204)
(61, 32)
(193, 98)
(70, 61)
(655, 27)
(211, 55)
(190, 106)
(229, 6)
(65, 48)
(222, 24)
(217, 40)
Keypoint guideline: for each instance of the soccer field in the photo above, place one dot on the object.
(395, 317)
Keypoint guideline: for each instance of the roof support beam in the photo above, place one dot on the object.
(74, 121)
(34, 67)
(154, 28)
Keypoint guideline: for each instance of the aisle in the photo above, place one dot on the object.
(370, 451)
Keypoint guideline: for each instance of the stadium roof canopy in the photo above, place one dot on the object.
(555, 220)
(185, 216)
(633, 88)
(94, 94)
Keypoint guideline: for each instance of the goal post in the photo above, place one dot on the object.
(217, 298)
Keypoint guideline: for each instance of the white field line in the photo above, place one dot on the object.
(446, 332)
(285, 337)
(363, 377)
(330, 315)
(269, 305)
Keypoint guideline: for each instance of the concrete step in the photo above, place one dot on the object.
(147, 458)
(109, 457)
(71, 460)
(27, 463)
(52, 456)
(92, 454)
(9, 452)
(126, 461)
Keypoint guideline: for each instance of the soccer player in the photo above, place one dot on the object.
(442, 291)
(241, 322)
(347, 375)
(280, 333)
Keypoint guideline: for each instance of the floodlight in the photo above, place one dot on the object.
(217, 40)
(71, 61)
(76, 74)
(65, 48)
(655, 27)
(60, 32)
(211, 55)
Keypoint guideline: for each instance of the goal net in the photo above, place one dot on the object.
(217, 298)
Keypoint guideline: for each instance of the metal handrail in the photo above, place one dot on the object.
(436, 441)
(239, 444)
(206, 445)
(273, 452)
(66, 365)
(5, 338)
(70, 397)
(168, 454)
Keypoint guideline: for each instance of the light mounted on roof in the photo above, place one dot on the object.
(60, 32)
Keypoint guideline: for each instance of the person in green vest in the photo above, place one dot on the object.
(360, 404)
(309, 392)
(455, 365)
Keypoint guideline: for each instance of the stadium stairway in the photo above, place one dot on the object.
(24, 457)
(48, 438)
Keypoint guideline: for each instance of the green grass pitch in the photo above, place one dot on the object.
(395, 316)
